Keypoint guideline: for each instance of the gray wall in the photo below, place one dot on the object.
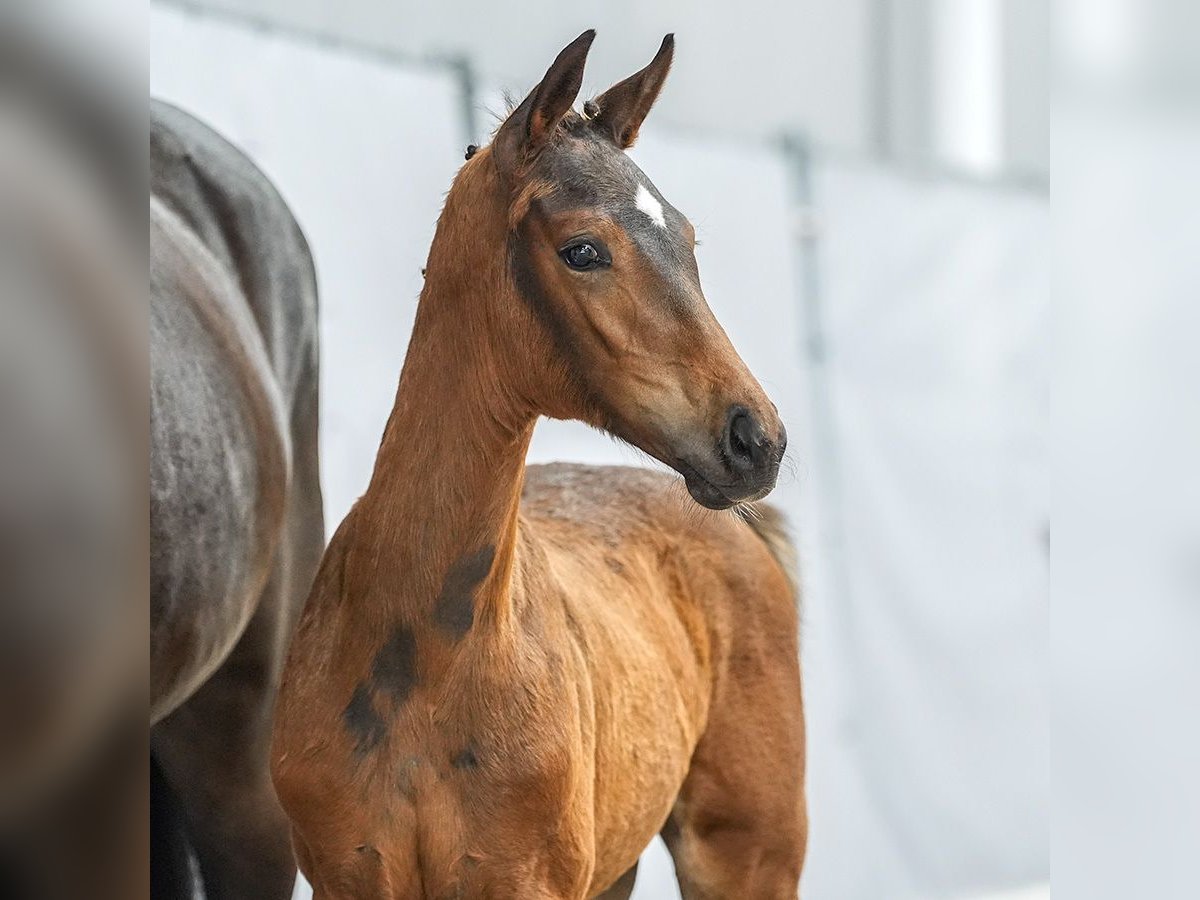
(819, 83)
(852, 75)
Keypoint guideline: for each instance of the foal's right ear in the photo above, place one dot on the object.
(532, 124)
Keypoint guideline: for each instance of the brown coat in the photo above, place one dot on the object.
(506, 681)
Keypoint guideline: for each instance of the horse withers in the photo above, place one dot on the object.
(508, 680)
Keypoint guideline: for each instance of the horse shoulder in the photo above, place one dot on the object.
(301, 716)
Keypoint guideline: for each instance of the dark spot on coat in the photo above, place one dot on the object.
(393, 674)
(404, 778)
(455, 608)
(615, 564)
(395, 669)
(363, 721)
(466, 758)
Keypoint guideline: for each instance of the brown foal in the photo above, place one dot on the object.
(508, 680)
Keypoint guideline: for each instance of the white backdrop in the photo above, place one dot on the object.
(930, 475)
(916, 485)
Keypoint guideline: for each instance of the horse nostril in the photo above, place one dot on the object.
(743, 440)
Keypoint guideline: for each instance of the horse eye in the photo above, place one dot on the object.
(582, 256)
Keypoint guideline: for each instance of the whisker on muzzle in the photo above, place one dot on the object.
(748, 511)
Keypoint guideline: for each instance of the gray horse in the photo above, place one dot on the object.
(236, 528)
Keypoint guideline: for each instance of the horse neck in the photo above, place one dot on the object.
(438, 522)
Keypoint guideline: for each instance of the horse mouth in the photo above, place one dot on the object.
(711, 495)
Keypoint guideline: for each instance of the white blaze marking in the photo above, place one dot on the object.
(648, 204)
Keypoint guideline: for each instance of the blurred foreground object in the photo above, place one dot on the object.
(73, 383)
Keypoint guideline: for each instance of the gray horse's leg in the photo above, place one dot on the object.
(213, 752)
(170, 852)
(214, 748)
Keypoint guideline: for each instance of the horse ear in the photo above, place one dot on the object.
(623, 107)
(532, 124)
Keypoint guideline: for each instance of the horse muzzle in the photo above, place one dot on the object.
(742, 466)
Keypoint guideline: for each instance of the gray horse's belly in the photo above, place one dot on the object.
(217, 467)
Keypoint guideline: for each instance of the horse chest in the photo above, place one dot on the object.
(471, 824)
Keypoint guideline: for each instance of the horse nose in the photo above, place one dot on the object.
(748, 449)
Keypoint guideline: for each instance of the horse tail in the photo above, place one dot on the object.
(772, 527)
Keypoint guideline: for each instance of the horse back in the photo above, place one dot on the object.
(239, 216)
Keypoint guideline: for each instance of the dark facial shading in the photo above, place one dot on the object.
(363, 721)
(455, 608)
(530, 290)
(586, 171)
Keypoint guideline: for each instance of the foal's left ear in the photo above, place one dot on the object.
(532, 124)
(623, 107)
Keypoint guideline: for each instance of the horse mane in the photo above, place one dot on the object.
(771, 526)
